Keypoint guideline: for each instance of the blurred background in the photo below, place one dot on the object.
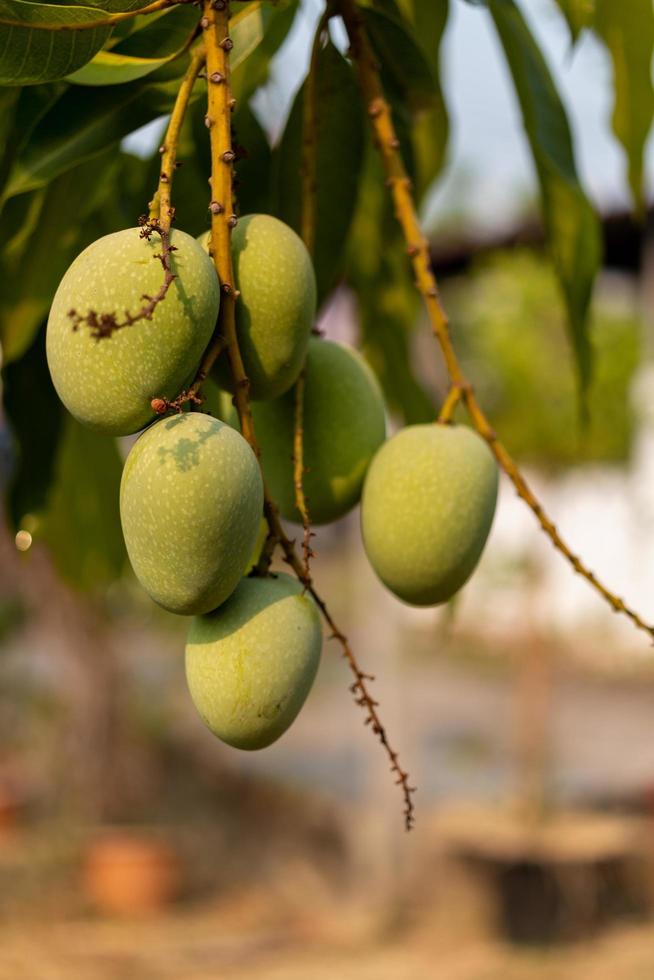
(134, 844)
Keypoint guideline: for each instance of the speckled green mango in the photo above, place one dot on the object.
(344, 425)
(250, 664)
(427, 507)
(191, 498)
(108, 384)
(276, 306)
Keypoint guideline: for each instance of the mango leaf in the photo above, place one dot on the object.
(30, 53)
(32, 270)
(253, 187)
(34, 414)
(571, 223)
(20, 116)
(80, 124)
(406, 72)
(628, 33)
(388, 304)
(156, 41)
(578, 14)
(257, 32)
(339, 155)
(430, 126)
(81, 523)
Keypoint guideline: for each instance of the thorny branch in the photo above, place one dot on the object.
(399, 183)
(298, 474)
(162, 214)
(215, 24)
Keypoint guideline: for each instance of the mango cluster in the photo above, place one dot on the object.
(191, 497)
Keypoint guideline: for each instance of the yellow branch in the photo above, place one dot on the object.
(417, 248)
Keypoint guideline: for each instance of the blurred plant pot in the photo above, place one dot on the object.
(129, 873)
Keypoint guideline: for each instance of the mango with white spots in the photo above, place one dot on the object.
(251, 664)
(276, 306)
(343, 426)
(427, 508)
(108, 384)
(191, 500)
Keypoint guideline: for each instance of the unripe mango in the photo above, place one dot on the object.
(427, 507)
(276, 306)
(344, 425)
(191, 498)
(108, 384)
(251, 663)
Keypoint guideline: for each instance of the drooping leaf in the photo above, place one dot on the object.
(406, 72)
(257, 32)
(157, 40)
(578, 14)
(627, 30)
(34, 414)
(253, 167)
(388, 304)
(571, 223)
(81, 524)
(339, 155)
(32, 269)
(30, 53)
(20, 116)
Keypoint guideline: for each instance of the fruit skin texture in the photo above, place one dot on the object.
(251, 663)
(344, 425)
(191, 498)
(108, 384)
(276, 306)
(427, 507)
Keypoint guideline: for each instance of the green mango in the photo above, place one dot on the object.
(108, 384)
(344, 425)
(191, 498)
(427, 508)
(250, 664)
(276, 306)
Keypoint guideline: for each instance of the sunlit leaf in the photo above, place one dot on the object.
(578, 14)
(628, 33)
(571, 223)
(339, 154)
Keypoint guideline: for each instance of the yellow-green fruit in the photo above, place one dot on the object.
(108, 384)
(344, 425)
(251, 663)
(276, 306)
(427, 507)
(191, 498)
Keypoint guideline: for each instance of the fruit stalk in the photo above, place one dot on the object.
(388, 146)
(298, 473)
(215, 25)
(160, 206)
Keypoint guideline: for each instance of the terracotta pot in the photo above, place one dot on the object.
(131, 874)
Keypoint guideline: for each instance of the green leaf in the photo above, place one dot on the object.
(34, 414)
(81, 524)
(628, 33)
(407, 75)
(31, 54)
(32, 269)
(388, 305)
(571, 223)
(257, 32)
(81, 123)
(158, 41)
(578, 14)
(253, 192)
(339, 155)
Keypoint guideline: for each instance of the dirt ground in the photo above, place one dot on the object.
(205, 945)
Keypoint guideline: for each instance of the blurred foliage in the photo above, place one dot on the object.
(514, 347)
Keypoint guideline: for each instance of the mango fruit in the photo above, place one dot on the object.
(251, 664)
(191, 499)
(276, 306)
(426, 511)
(344, 425)
(108, 384)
